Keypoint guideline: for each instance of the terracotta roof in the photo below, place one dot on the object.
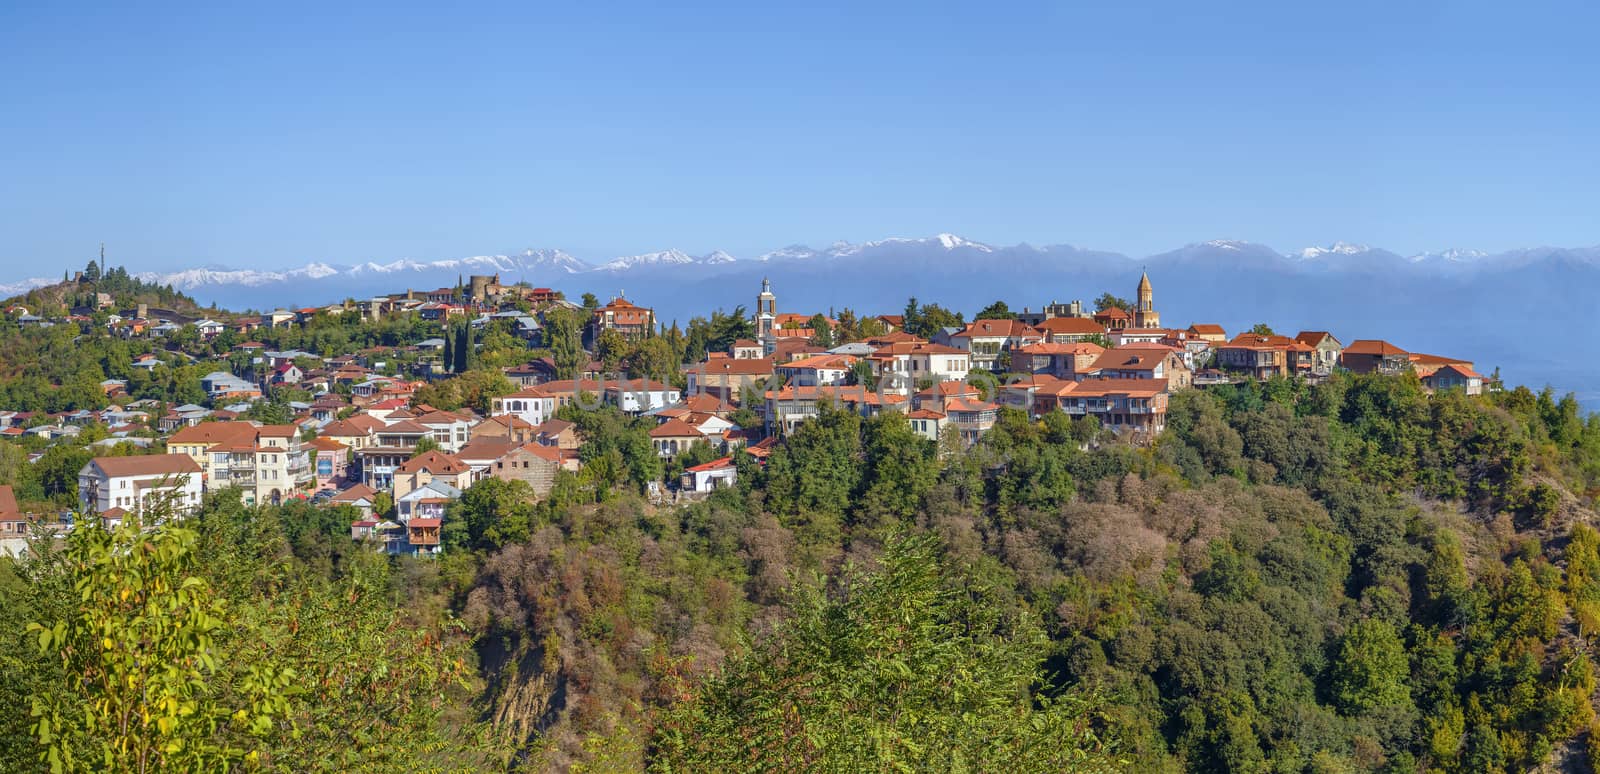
(850, 395)
(949, 388)
(344, 428)
(1113, 313)
(439, 418)
(1373, 347)
(554, 426)
(750, 366)
(918, 347)
(405, 426)
(435, 462)
(725, 462)
(1208, 329)
(1009, 328)
(8, 503)
(894, 338)
(675, 428)
(963, 403)
(536, 391)
(541, 451)
(1436, 360)
(703, 402)
(1257, 341)
(1103, 387)
(422, 521)
(1464, 370)
(925, 414)
(821, 361)
(1311, 338)
(147, 465)
(1131, 358)
(1070, 326)
(486, 449)
(572, 386)
(327, 444)
(277, 431)
(354, 493)
(1065, 348)
(511, 421)
(213, 433)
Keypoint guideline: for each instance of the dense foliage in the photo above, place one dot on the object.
(1350, 576)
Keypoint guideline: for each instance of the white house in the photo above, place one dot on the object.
(712, 475)
(637, 396)
(136, 484)
(532, 405)
(817, 371)
(449, 429)
(986, 340)
(209, 329)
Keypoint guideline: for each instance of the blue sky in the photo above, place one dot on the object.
(273, 134)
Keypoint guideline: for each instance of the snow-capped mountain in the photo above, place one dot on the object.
(1350, 258)
(1448, 301)
(22, 286)
(1337, 248)
(1452, 255)
(790, 253)
(189, 279)
(673, 257)
(1220, 253)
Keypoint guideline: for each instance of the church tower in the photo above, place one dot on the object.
(767, 317)
(1145, 314)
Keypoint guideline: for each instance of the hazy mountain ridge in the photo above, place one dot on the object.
(1457, 301)
(927, 254)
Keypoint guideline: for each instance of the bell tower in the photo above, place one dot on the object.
(767, 317)
(1145, 314)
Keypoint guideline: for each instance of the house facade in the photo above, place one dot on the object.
(140, 485)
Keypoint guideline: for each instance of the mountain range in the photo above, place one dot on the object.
(1485, 306)
(317, 282)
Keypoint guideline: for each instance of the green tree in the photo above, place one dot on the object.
(1262, 329)
(138, 654)
(1109, 301)
(1370, 670)
(492, 513)
(996, 311)
(917, 667)
(610, 348)
(563, 335)
(821, 331)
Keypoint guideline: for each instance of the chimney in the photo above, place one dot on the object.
(143, 311)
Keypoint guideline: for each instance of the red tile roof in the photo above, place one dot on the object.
(675, 428)
(990, 328)
(1070, 326)
(725, 462)
(435, 462)
(147, 465)
(1373, 347)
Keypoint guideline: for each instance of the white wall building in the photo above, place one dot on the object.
(137, 484)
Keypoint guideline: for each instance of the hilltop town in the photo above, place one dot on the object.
(396, 405)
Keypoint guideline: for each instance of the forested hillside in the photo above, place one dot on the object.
(1353, 576)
